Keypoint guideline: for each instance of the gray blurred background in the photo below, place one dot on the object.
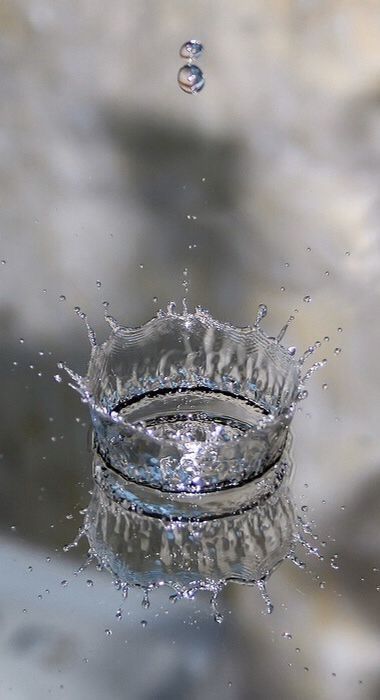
(268, 179)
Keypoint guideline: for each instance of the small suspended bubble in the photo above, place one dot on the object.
(307, 299)
(191, 49)
(62, 297)
(190, 79)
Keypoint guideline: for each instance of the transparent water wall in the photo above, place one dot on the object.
(201, 519)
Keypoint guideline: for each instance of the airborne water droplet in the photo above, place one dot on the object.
(191, 49)
(62, 297)
(307, 299)
(190, 79)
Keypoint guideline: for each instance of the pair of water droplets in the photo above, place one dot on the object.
(190, 77)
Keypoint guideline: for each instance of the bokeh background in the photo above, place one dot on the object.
(266, 187)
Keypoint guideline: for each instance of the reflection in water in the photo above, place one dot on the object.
(140, 550)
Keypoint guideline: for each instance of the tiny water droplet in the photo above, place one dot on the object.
(190, 79)
(106, 304)
(30, 568)
(98, 283)
(324, 387)
(339, 329)
(22, 341)
(337, 351)
(307, 299)
(322, 585)
(155, 299)
(298, 650)
(304, 509)
(286, 635)
(261, 313)
(143, 623)
(119, 614)
(3, 262)
(64, 583)
(58, 378)
(347, 253)
(191, 49)
(108, 632)
(141, 266)
(62, 297)
(326, 339)
(292, 350)
(282, 289)
(327, 273)
(308, 249)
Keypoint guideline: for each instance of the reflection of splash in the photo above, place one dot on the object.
(189, 556)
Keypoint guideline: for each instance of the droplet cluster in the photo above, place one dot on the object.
(190, 77)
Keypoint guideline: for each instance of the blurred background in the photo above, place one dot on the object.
(265, 186)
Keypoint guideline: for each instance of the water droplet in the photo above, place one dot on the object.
(30, 568)
(286, 635)
(98, 283)
(155, 299)
(305, 668)
(64, 583)
(292, 350)
(347, 253)
(58, 378)
(327, 273)
(339, 329)
(191, 49)
(143, 623)
(89, 583)
(308, 249)
(119, 614)
(326, 339)
(282, 289)
(322, 585)
(324, 387)
(307, 299)
(304, 509)
(22, 341)
(3, 262)
(106, 304)
(298, 650)
(190, 79)
(287, 264)
(108, 632)
(62, 297)
(141, 266)
(261, 313)
(337, 351)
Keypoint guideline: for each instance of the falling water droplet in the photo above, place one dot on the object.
(337, 351)
(143, 623)
(62, 297)
(324, 387)
(286, 635)
(191, 49)
(3, 262)
(89, 583)
(307, 299)
(190, 79)
(292, 350)
(64, 583)
(108, 632)
(327, 273)
(58, 378)
(98, 283)
(261, 585)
